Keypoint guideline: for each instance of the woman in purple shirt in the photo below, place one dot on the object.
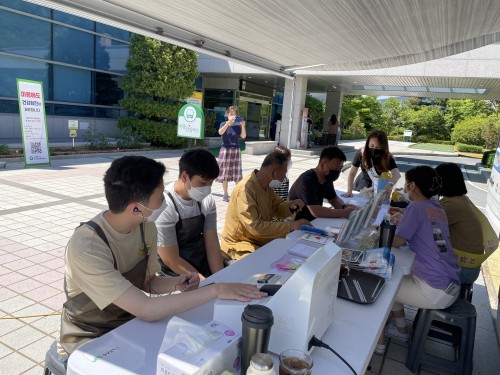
(230, 156)
(434, 282)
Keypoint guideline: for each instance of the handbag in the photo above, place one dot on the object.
(490, 243)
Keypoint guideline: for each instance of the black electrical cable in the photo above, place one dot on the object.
(320, 344)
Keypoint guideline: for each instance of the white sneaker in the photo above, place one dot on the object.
(392, 331)
(380, 349)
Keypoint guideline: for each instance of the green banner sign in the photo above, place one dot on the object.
(191, 122)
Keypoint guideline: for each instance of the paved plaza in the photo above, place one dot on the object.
(40, 207)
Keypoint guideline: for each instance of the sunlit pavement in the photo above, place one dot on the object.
(42, 206)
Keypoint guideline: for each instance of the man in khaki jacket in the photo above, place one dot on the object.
(254, 211)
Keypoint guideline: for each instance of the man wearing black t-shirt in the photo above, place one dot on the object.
(315, 185)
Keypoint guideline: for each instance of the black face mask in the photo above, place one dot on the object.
(333, 175)
(375, 152)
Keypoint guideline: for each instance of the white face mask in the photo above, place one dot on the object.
(406, 194)
(199, 193)
(155, 214)
(275, 184)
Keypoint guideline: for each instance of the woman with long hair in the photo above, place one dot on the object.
(332, 129)
(374, 159)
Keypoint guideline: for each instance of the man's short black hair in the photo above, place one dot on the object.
(330, 153)
(199, 162)
(131, 179)
(274, 158)
(452, 180)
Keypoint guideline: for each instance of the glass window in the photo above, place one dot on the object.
(416, 88)
(198, 83)
(24, 35)
(73, 46)
(111, 31)
(218, 98)
(278, 98)
(73, 110)
(111, 55)
(72, 85)
(394, 88)
(73, 20)
(27, 7)
(15, 67)
(9, 106)
(107, 112)
(107, 89)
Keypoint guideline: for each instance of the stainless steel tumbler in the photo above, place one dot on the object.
(256, 321)
(387, 231)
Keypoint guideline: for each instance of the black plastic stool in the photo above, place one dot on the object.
(53, 365)
(459, 325)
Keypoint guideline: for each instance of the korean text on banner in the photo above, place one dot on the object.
(33, 123)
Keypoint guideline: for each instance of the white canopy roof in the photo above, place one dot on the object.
(286, 36)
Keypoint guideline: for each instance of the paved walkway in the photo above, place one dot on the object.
(41, 207)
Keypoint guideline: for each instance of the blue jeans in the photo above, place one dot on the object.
(469, 275)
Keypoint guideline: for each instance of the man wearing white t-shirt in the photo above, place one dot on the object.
(187, 228)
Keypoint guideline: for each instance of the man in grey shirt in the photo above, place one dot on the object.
(187, 228)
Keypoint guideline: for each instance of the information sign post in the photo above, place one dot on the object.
(191, 122)
(73, 127)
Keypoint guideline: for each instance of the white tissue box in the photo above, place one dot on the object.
(222, 354)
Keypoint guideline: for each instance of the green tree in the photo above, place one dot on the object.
(316, 110)
(368, 108)
(415, 103)
(460, 109)
(427, 121)
(391, 114)
(160, 76)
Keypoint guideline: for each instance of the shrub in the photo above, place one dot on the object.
(489, 133)
(479, 131)
(422, 138)
(210, 129)
(357, 127)
(157, 133)
(129, 139)
(396, 137)
(95, 140)
(460, 147)
(488, 158)
(348, 135)
(4, 150)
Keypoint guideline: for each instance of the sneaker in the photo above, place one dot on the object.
(225, 198)
(380, 349)
(392, 331)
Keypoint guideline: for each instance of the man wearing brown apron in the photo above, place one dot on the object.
(112, 260)
(187, 228)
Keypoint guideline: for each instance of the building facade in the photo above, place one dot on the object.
(80, 63)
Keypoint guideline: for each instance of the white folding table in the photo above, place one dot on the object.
(133, 347)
